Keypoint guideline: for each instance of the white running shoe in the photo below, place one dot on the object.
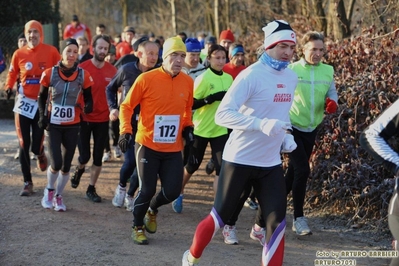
(300, 226)
(117, 152)
(258, 235)
(119, 198)
(58, 204)
(106, 157)
(16, 156)
(185, 260)
(230, 235)
(129, 203)
(47, 200)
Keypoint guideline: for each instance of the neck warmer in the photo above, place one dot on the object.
(273, 63)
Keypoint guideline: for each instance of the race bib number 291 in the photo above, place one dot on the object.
(25, 106)
(166, 128)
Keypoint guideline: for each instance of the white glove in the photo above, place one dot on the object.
(272, 127)
(288, 144)
(114, 115)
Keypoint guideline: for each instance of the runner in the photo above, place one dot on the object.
(28, 63)
(59, 109)
(257, 108)
(96, 122)
(147, 53)
(165, 96)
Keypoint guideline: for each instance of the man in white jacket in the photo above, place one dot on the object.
(257, 108)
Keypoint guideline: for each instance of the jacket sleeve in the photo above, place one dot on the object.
(374, 139)
(112, 89)
(332, 92)
(13, 73)
(228, 115)
(126, 109)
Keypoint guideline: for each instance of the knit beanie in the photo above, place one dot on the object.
(33, 24)
(67, 42)
(278, 31)
(137, 43)
(227, 35)
(193, 45)
(171, 45)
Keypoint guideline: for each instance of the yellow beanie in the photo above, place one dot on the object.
(171, 45)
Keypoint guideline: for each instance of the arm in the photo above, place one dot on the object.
(88, 99)
(13, 73)
(88, 33)
(66, 32)
(228, 115)
(2, 61)
(375, 138)
(112, 89)
(132, 99)
(332, 92)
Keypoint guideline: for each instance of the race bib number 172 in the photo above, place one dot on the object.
(166, 128)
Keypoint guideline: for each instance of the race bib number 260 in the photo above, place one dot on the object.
(166, 128)
(62, 114)
(25, 106)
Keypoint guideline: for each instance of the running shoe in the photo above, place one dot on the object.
(177, 204)
(33, 156)
(189, 260)
(300, 226)
(230, 235)
(16, 156)
(75, 178)
(27, 190)
(106, 157)
(258, 235)
(210, 167)
(117, 152)
(58, 204)
(47, 200)
(42, 162)
(150, 222)
(92, 195)
(251, 204)
(138, 235)
(119, 196)
(129, 203)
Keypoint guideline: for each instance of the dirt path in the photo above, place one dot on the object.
(99, 234)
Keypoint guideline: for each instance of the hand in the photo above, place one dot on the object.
(218, 96)
(43, 122)
(124, 140)
(272, 127)
(188, 135)
(88, 108)
(113, 115)
(288, 144)
(331, 106)
(9, 93)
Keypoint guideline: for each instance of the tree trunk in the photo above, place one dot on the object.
(340, 24)
(173, 10)
(216, 11)
(124, 12)
(320, 19)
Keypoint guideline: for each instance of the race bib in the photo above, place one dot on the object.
(166, 128)
(62, 114)
(25, 106)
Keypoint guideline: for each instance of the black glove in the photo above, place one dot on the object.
(8, 93)
(218, 96)
(43, 122)
(88, 108)
(124, 140)
(188, 135)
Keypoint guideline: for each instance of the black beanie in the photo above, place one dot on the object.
(67, 42)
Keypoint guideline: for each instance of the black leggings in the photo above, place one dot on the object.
(23, 126)
(198, 151)
(67, 138)
(298, 168)
(269, 187)
(150, 165)
(114, 132)
(100, 132)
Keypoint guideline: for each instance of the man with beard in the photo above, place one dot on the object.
(28, 64)
(97, 121)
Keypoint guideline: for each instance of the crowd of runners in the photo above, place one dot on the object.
(158, 103)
